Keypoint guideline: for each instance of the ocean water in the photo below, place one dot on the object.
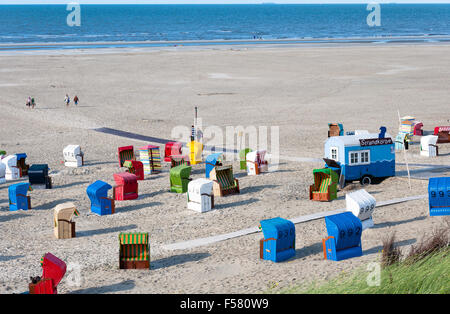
(20, 24)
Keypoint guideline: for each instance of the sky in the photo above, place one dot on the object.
(210, 1)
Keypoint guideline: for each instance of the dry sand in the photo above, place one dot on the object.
(151, 92)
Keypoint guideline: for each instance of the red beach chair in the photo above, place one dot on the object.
(127, 186)
(53, 270)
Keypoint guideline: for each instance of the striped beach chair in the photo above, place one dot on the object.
(125, 153)
(134, 250)
(325, 185)
(224, 181)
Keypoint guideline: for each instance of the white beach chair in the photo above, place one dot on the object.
(200, 195)
(73, 156)
(12, 172)
(362, 205)
(2, 173)
(428, 146)
(256, 162)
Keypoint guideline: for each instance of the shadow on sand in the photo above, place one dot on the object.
(89, 233)
(177, 260)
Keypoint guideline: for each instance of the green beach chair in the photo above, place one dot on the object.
(325, 185)
(134, 252)
(179, 178)
(243, 158)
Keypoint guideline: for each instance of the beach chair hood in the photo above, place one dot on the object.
(361, 204)
(346, 229)
(53, 268)
(211, 161)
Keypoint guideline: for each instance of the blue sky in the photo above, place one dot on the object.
(209, 1)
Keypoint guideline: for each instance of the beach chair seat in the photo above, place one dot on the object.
(224, 181)
(135, 167)
(325, 185)
(125, 153)
(179, 178)
(53, 270)
(177, 160)
(134, 251)
(22, 165)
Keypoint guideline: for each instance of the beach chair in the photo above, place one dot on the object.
(195, 152)
(278, 243)
(2, 173)
(428, 146)
(18, 198)
(256, 162)
(212, 161)
(21, 164)
(179, 160)
(200, 196)
(172, 149)
(38, 177)
(53, 270)
(362, 205)
(418, 129)
(243, 158)
(151, 159)
(135, 167)
(179, 178)
(344, 237)
(73, 156)
(134, 251)
(12, 172)
(325, 184)
(402, 140)
(224, 181)
(443, 133)
(125, 153)
(439, 196)
(126, 186)
(64, 226)
(101, 204)
(335, 129)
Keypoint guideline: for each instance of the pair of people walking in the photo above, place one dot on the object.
(30, 102)
(67, 100)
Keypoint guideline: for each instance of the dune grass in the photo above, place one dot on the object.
(428, 275)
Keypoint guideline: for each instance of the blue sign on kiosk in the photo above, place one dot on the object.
(439, 196)
(279, 239)
(344, 237)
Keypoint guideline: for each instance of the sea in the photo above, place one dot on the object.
(133, 25)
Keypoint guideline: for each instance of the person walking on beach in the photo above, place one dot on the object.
(67, 100)
(32, 103)
(28, 104)
(75, 100)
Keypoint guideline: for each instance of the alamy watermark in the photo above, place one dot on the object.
(74, 17)
(374, 17)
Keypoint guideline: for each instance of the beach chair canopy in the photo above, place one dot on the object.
(360, 203)
(65, 211)
(10, 161)
(53, 268)
(71, 152)
(282, 230)
(439, 129)
(125, 178)
(211, 161)
(97, 190)
(133, 164)
(15, 190)
(346, 229)
(323, 178)
(425, 141)
(38, 173)
(181, 171)
(21, 156)
(243, 158)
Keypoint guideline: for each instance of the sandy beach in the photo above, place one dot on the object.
(151, 92)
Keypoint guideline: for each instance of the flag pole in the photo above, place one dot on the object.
(404, 151)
